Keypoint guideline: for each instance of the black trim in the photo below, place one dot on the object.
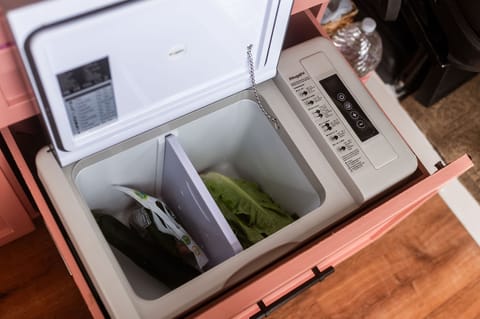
(265, 311)
(34, 69)
(273, 31)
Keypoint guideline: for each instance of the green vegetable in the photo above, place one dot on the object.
(171, 271)
(250, 212)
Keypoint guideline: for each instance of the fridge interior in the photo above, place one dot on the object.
(236, 140)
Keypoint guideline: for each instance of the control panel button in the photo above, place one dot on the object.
(345, 102)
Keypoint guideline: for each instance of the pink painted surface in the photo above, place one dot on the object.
(335, 248)
(14, 219)
(305, 6)
(247, 313)
(12, 85)
(302, 5)
(16, 98)
(52, 226)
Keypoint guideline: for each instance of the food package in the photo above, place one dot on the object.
(156, 219)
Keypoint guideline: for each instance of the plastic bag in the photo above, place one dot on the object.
(164, 221)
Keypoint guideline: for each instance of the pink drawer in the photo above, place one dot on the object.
(16, 98)
(308, 264)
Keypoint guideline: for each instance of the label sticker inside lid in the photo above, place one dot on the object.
(88, 95)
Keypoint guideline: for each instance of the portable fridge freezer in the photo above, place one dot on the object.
(131, 91)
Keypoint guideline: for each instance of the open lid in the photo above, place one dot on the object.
(104, 74)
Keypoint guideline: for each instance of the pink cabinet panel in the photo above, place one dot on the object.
(16, 98)
(14, 219)
(16, 104)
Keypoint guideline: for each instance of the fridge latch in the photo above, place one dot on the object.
(265, 310)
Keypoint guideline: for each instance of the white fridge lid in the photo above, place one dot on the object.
(104, 71)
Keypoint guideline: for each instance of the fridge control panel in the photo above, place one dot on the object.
(324, 122)
(341, 117)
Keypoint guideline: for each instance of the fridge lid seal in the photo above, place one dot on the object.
(110, 73)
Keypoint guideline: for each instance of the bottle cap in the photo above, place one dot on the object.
(368, 25)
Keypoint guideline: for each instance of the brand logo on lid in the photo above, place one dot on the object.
(296, 76)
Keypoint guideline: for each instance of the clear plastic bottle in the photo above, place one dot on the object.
(360, 44)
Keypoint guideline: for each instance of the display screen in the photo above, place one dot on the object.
(349, 108)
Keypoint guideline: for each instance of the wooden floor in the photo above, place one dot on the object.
(427, 267)
(34, 282)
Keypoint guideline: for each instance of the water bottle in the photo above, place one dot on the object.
(360, 44)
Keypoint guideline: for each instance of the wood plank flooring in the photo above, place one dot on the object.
(34, 282)
(427, 267)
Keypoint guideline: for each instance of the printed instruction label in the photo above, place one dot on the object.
(88, 95)
(324, 122)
